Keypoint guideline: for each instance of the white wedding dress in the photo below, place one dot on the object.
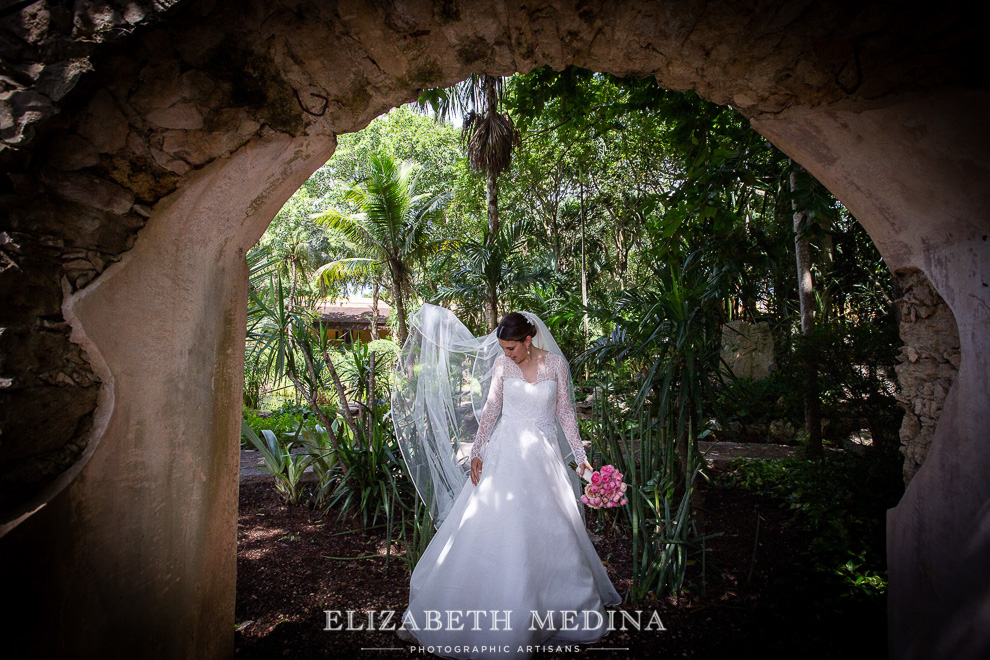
(515, 543)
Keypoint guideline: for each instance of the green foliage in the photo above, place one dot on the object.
(856, 377)
(281, 462)
(322, 457)
(840, 503)
(489, 268)
(352, 362)
(659, 496)
(369, 477)
(755, 404)
(369, 473)
(284, 420)
(671, 331)
(675, 214)
(404, 135)
(417, 530)
(390, 231)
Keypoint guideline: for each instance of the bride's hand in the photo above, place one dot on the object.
(475, 470)
(581, 469)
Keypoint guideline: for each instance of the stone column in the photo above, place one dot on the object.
(915, 173)
(136, 557)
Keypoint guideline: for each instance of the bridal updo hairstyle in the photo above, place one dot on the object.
(514, 327)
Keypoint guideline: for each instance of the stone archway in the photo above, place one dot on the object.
(148, 145)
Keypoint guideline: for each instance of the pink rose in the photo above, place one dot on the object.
(596, 477)
(623, 502)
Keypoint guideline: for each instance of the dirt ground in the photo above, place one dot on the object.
(754, 595)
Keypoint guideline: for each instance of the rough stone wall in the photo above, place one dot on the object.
(102, 114)
(929, 362)
(51, 244)
(47, 48)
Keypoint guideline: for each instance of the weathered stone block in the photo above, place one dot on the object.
(747, 349)
(182, 115)
(103, 124)
(928, 367)
(90, 190)
(72, 152)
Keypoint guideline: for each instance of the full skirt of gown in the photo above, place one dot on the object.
(513, 545)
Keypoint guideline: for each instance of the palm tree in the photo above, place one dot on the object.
(489, 268)
(300, 255)
(391, 228)
(360, 271)
(488, 135)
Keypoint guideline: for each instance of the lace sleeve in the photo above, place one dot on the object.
(565, 410)
(493, 408)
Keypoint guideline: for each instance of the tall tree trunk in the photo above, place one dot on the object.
(400, 310)
(492, 237)
(374, 311)
(491, 103)
(492, 197)
(493, 308)
(812, 403)
(584, 276)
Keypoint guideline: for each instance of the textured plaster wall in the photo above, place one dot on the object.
(916, 174)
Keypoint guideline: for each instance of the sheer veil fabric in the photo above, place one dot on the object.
(440, 387)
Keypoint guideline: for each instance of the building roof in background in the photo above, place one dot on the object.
(354, 313)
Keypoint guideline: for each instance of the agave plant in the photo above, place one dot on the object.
(281, 336)
(281, 462)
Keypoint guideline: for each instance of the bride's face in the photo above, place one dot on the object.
(517, 351)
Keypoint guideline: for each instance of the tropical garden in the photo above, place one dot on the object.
(641, 225)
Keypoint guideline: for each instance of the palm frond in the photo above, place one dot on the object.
(345, 270)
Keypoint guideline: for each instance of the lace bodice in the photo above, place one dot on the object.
(543, 402)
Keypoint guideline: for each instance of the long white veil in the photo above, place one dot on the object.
(438, 394)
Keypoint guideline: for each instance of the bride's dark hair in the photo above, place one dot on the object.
(514, 327)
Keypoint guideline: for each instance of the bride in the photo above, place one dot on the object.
(511, 568)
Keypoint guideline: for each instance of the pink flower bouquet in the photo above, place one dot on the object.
(605, 489)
